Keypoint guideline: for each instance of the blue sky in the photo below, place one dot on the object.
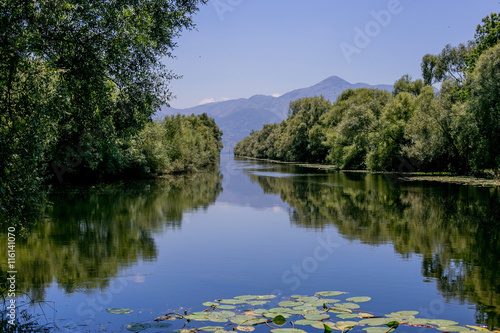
(246, 47)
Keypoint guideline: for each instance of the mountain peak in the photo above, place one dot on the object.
(238, 117)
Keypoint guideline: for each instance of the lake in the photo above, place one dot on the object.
(258, 228)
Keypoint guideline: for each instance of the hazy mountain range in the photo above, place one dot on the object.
(238, 117)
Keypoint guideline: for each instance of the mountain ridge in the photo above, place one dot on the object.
(238, 117)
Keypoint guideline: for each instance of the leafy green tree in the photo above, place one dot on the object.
(77, 79)
(349, 124)
(487, 35)
(484, 110)
(387, 143)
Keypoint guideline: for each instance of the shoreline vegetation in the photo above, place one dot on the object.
(416, 128)
(79, 84)
(442, 177)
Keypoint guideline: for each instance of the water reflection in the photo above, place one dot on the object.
(456, 229)
(92, 233)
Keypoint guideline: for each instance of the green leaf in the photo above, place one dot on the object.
(327, 328)
(330, 293)
(119, 311)
(393, 324)
(287, 330)
(210, 304)
(136, 327)
(210, 328)
(279, 320)
(359, 299)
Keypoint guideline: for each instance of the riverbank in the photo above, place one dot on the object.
(442, 177)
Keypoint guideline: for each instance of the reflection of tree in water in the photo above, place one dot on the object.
(455, 228)
(92, 233)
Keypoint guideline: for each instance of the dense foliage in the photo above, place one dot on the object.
(412, 129)
(79, 81)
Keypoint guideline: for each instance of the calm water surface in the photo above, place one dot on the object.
(258, 228)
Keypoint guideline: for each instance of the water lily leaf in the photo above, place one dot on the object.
(226, 307)
(253, 321)
(339, 310)
(119, 311)
(254, 303)
(375, 321)
(314, 316)
(329, 300)
(239, 319)
(479, 328)
(454, 329)
(136, 327)
(394, 324)
(347, 316)
(246, 297)
(260, 311)
(417, 321)
(260, 297)
(359, 299)
(290, 303)
(441, 322)
(346, 305)
(365, 315)
(279, 320)
(305, 322)
(210, 304)
(376, 329)
(406, 313)
(328, 329)
(275, 314)
(225, 313)
(287, 330)
(245, 328)
(330, 293)
(210, 328)
(232, 301)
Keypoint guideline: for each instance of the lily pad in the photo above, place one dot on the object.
(346, 305)
(330, 293)
(210, 304)
(255, 303)
(240, 319)
(246, 297)
(260, 297)
(210, 328)
(406, 313)
(314, 316)
(376, 329)
(245, 328)
(136, 327)
(232, 301)
(375, 321)
(287, 330)
(279, 320)
(442, 323)
(290, 303)
(305, 322)
(119, 311)
(359, 299)
(347, 316)
(454, 329)
(226, 307)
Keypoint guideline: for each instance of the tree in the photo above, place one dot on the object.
(484, 110)
(77, 79)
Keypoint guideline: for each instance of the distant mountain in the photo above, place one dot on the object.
(238, 117)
